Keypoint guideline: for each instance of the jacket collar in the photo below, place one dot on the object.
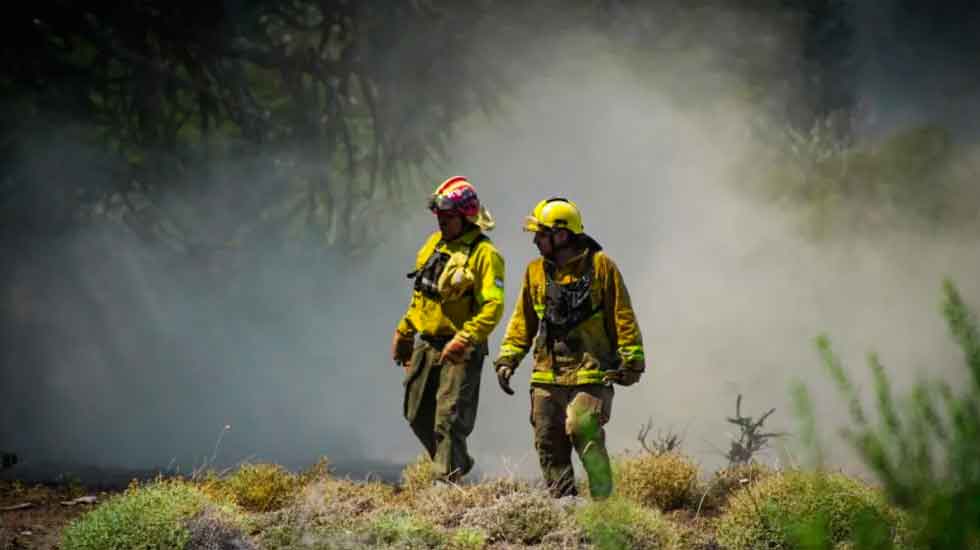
(467, 237)
(574, 265)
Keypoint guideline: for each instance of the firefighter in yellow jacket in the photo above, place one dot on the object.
(575, 308)
(457, 300)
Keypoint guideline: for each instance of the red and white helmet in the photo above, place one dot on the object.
(456, 194)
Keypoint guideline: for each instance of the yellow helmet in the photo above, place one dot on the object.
(555, 213)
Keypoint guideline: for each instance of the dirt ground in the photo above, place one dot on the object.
(38, 526)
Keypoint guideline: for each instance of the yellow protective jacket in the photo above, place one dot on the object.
(477, 312)
(610, 336)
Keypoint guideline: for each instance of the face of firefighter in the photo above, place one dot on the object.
(451, 225)
(550, 242)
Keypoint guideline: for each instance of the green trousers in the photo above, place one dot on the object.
(440, 406)
(572, 417)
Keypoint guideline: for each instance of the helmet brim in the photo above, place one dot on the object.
(532, 225)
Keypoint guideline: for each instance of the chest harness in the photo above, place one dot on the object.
(427, 277)
(567, 306)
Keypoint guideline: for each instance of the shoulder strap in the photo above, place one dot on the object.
(480, 239)
(415, 273)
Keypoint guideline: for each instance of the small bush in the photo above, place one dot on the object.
(261, 487)
(418, 475)
(728, 481)
(798, 508)
(618, 523)
(667, 481)
(405, 529)
(467, 538)
(518, 518)
(158, 515)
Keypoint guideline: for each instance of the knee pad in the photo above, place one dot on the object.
(582, 418)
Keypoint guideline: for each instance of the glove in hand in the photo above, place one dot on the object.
(504, 372)
(627, 375)
(622, 377)
(457, 350)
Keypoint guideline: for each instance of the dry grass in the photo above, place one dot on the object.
(447, 503)
(762, 508)
(518, 518)
(342, 501)
(209, 531)
(418, 475)
(666, 481)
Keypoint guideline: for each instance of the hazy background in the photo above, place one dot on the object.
(290, 347)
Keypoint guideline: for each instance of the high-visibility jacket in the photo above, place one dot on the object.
(476, 313)
(610, 337)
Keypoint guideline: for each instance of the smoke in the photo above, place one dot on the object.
(121, 356)
(729, 293)
(125, 353)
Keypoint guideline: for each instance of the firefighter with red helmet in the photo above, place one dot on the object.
(441, 341)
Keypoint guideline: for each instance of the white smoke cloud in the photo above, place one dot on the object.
(729, 295)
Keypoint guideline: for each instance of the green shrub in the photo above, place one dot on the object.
(404, 529)
(518, 518)
(466, 538)
(666, 481)
(807, 509)
(728, 481)
(261, 487)
(617, 523)
(925, 450)
(158, 515)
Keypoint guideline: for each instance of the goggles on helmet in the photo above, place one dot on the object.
(440, 203)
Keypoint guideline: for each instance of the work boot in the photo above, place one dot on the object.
(456, 475)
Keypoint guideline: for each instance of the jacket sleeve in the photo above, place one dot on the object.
(619, 309)
(488, 291)
(521, 329)
(404, 324)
